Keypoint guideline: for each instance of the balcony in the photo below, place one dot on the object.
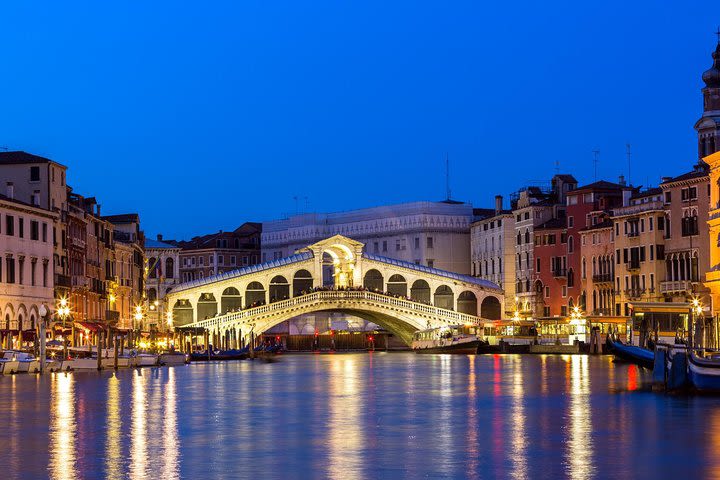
(559, 272)
(62, 281)
(676, 286)
(633, 234)
(632, 265)
(634, 292)
(77, 242)
(112, 316)
(602, 278)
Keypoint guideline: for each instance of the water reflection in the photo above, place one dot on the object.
(62, 427)
(138, 450)
(345, 442)
(171, 442)
(518, 430)
(113, 455)
(579, 454)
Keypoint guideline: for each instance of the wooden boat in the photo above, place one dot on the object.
(704, 373)
(630, 353)
(174, 358)
(16, 362)
(450, 339)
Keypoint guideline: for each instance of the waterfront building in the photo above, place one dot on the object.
(433, 234)
(26, 279)
(533, 206)
(687, 200)
(586, 206)
(598, 267)
(708, 127)
(40, 182)
(639, 231)
(220, 252)
(712, 276)
(126, 285)
(551, 278)
(163, 260)
(492, 245)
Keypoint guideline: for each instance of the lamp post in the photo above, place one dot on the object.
(63, 311)
(43, 311)
(696, 310)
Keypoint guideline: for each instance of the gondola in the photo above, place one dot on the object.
(704, 373)
(630, 353)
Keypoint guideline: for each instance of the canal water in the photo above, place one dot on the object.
(378, 415)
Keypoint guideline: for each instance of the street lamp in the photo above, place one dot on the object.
(696, 310)
(137, 318)
(63, 311)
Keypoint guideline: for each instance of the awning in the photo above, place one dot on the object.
(660, 307)
(92, 326)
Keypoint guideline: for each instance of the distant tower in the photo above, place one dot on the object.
(708, 127)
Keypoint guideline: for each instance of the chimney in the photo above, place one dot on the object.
(621, 180)
(98, 210)
(498, 203)
(159, 237)
(10, 190)
(665, 179)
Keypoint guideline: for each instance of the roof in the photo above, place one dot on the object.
(149, 243)
(648, 193)
(24, 204)
(433, 271)
(700, 171)
(299, 257)
(566, 177)
(553, 223)
(600, 185)
(607, 223)
(19, 157)
(122, 218)
(247, 229)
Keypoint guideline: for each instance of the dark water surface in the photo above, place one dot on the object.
(381, 415)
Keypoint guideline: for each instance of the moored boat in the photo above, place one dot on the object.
(450, 339)
(16, 362)
(174, 358)
(630, 353)
(704, 373)
(147, 359)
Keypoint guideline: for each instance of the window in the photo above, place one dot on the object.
(44, 232)
(564, 292)
(21, 270)
(547, 292)
(519, 239)
(429, 243)
(376, 245)
(650, 224)
(221, 260)
(10, 269)
(571, 245)
(232, 260)
(527, 215)
(201, 261)
(33, 263)
(527, 236)
(537, 265)
(397, 245)
(34, 230)
(35, 198)
(9, 225)
(34, 174)
(385, 245)
(668, 197)
(661, 222)
(571, 222)
(431, 263)
(45, 273)
(417, 243)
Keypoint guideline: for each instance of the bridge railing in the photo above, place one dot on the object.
(338, 295)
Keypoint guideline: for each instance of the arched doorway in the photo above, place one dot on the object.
(328, 270)
(254, 294)
(397, 285)
(279, 289)
(230, 300)
(467, 303)
(207, 306)
(420, 291)
(444, 297)
(490, 308)
(374, 280)
(302, 282)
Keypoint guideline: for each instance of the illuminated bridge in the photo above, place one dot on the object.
(333, 275)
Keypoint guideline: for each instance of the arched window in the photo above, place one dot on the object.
(169, 268)
(527, 236)
(570, 278)
(583, 268)
(571, 244)
(152, 264)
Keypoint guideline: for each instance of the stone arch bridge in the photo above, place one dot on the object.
(334, 275)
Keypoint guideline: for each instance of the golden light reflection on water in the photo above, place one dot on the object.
(138, 448)
(518, 435)
(113, 455)
(579, 453)
(170, 428)
(346, 436)
(62, 427)
(472, 423)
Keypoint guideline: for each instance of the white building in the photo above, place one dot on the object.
(26, 275)
(492, 245)
(434, 234)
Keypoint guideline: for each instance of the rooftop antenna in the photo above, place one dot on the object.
(629, 154)
(596, 159)
(447, 176)
(557, 166)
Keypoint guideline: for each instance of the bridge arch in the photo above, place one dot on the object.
(374, 280)
(467, 303)
(490, 308)
(207, 306)
(254, 294)
(444, 297)
(231, 299)
(302, 282)
(279, 288)
(182, 312)
(397, 285)
(420, 291)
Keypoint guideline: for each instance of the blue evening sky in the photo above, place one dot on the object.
(203, 115)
